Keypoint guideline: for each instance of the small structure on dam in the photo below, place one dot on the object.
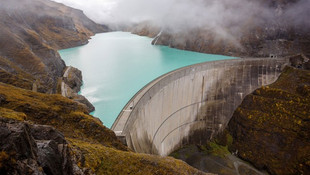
(191, 104)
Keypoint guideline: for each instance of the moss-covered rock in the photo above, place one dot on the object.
(271, 128)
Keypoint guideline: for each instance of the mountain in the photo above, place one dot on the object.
(243, 28)
(31, 33)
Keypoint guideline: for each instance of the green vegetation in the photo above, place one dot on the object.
(215, 149)
(219, 145)
(7, 113)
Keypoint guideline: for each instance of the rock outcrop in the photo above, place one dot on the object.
(33, 149)
(271, 127)
(70, 85)
(31, 33)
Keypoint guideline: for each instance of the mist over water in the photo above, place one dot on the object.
(117, 65)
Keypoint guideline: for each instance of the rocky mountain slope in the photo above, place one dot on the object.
(284, 31)
(31, 33)
(271, 127)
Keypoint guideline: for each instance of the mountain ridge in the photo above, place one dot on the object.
(283, 32)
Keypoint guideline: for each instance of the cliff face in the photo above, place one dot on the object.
(278, 34)
(271, 127)
(30, 34)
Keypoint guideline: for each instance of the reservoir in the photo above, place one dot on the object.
(117, 65)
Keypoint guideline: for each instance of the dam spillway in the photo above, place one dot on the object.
(191, 104)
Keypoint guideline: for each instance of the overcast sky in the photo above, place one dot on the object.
(173, 13)
(97, 10)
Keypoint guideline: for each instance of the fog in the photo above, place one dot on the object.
(181, 15)
(97, 10)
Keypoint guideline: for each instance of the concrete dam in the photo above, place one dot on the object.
(191, 104)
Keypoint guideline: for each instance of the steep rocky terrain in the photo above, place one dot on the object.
(271, 127)
(282, 33)
(32, 149)
(31, 33)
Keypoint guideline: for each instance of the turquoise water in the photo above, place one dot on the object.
(116, 65)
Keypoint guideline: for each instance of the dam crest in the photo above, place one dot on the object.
(191, 104)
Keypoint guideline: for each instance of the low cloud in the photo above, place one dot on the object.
(182, 15)
(97, 10)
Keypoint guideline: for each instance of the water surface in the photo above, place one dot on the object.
(116, 65)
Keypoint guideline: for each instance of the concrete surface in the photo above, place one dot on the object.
(191, 104)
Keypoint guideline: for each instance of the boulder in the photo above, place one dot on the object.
(73, 78)
(81, 99)
(33, 149)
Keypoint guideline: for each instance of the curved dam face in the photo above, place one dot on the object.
(191, 104)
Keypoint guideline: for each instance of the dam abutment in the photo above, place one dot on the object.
(191, 104)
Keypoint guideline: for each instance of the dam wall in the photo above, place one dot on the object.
(191, 104)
